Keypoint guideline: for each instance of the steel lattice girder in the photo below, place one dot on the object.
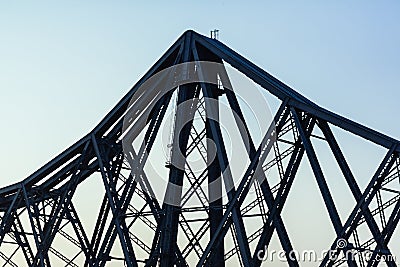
(45, 199)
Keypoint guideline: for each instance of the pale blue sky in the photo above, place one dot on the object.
(63, 66)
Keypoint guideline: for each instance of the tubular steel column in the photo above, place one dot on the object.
(184, 118)
(41, 209)
(215, 184)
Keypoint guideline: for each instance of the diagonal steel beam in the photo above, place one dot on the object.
(323, 186)
(214, 185)
(351, 181)
(276, 205)
(187, 102)
(226, 174)
(8, 218)
(247, 180)
(266, 190)
(80, 233)
(223, 162)
(387, 233)
(137, 166)
(125, 241)
(321, 181)
(22, 240)
(368, 195)
(282, 91)
(37, 231)
(58, 211)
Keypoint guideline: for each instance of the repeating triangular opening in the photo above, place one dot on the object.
(248, 137)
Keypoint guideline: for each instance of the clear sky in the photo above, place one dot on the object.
(63, 66)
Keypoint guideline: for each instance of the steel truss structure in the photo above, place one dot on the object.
(40, 225)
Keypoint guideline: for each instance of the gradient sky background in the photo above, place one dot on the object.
(63, 66)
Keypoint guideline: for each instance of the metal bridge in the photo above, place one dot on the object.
(205, 217)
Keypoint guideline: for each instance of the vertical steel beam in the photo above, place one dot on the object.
(183, 124)
(265, 188)
(215, 131)
(246, 181)
(172, 207)
(214, 184)
(227, 176)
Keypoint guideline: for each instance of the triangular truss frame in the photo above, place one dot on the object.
(46, 196)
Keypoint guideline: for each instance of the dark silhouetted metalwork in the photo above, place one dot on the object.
(40, 225)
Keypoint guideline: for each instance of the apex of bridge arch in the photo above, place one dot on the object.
(186, 225)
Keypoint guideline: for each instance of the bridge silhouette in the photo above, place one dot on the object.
(206, 214)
